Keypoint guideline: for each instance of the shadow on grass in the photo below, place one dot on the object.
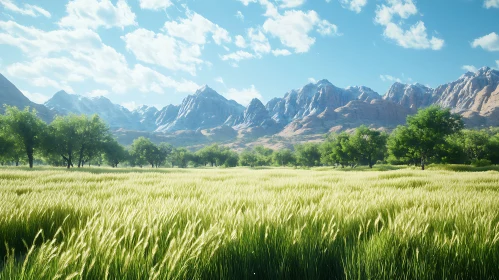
(462, 168)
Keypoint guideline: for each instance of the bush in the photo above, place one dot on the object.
(481, 163)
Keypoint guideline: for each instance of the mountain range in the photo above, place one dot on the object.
(316, 108)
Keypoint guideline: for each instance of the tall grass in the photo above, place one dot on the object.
(248, 224)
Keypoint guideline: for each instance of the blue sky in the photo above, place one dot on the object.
(156, 52)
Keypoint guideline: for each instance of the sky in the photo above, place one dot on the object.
(156, 52)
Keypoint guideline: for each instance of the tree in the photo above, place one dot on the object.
(114, 153)
(476, 144)
(164, 151)
(248, 158)
(263, 155)
(428, 130)
(181, 157)
(63, 137)
(144, 151)
(93, 133)
(26, 128)
(401, 145)
(337, 150)
(370, 145)
(308, 154)
(283, 157)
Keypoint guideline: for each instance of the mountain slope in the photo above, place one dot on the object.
(114, 115)
(12, 96)
(205, 109)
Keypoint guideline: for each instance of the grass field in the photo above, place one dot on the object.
(248, 224)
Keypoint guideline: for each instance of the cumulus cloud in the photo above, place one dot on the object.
(26, 9)
(281, 52)
(155, 4)
(353, 5)
(291, 3)
(237, 56)
(491, 4)
(258, 41)
(469, 68)
(195, 28)
(54, 54)
(240, 42)
(293, 28)
(240, 15)
(220, 80)
(416, 36)
(488, 42)
(389, 78)
(96, 13)
(36, 97)
(243, 96)
(163, 50)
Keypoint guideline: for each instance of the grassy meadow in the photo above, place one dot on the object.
(248, 224)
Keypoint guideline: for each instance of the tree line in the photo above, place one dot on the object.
(433, 135)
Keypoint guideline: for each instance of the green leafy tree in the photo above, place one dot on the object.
(370, 145)
(264, 155)
(94, 134)
(402, 146)
(337, 150)
(308, 154)
(64, 138)
(428, 130)
(26, 128)
(164, 152)
(144, 151)
(114, 153)
(476, 144)
(248, 158)
(283, 157)
(181, 157)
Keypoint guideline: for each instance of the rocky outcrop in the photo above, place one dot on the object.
(114, 115)
(146, 115)
(205, 109)
(410, 96)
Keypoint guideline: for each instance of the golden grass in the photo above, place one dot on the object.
(242, 223)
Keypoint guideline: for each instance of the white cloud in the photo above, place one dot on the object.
(497, 62)
(220, 80)
(27, 9)
(312, 80)
(469, 68)
(132, 105)
(237, 56)
(155, 4)
(491, 4)
(488, 42)
(324, 28)
(240, 42)
(163, 50)
(281, 52)
(416, 36)
(389, 78)
(38, 98)
(293, 28)
(258, 41)
(246, 2)
(84, 60)
(97, 93)
(36, 42)
(240, 15)
(353, 5)
(291, 3)
(243, 96)
(96, 13)
(195, 28)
